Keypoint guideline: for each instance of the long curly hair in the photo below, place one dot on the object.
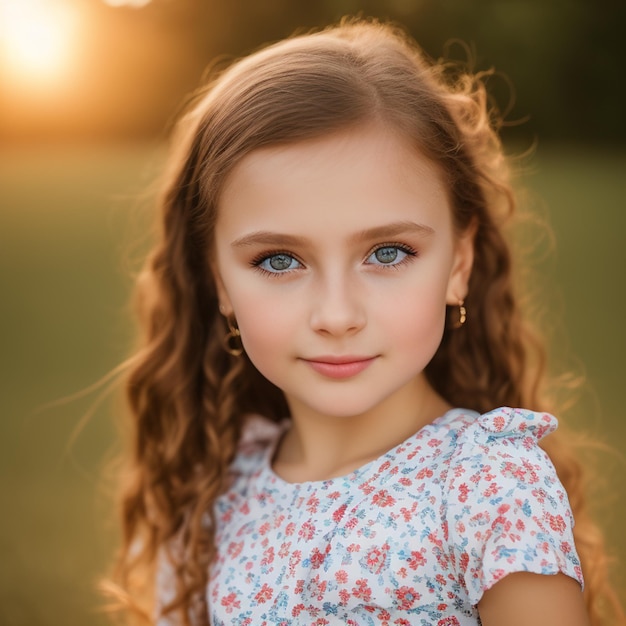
(188, 397)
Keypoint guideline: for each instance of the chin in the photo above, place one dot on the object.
(338, 409)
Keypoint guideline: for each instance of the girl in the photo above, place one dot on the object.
(332, 342)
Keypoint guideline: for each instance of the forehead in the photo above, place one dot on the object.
(353, 179)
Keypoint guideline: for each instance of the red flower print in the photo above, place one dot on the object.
(406, 597)
(501, 524)
(417, 559)
(449, 621)
(284, 549)
(463, 492)
(362, 591)
(294, 559)
(264, 528)
(424, 473)
(557, 523)
(384, 467)
(339, 513)
(317, 587)
(307, 531)
(268, 556)
(492, 490)
(230, 602)
(376, 559)
(366, 488)
(341, 576)
(312, 504)
(299, 586)
(291, 529)
(499, 423)
(344, 596)
(383, 498)
(464, 561)
(234, 549)
(297, 609)
(317, 558)
(264, 594)
(406, 482)
(402, 622)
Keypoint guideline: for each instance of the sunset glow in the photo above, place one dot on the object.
(37, 40)
(127, 3)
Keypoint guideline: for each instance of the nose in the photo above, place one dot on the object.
(338, 307)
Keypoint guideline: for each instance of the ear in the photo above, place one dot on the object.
(225, 305)
(461, 266)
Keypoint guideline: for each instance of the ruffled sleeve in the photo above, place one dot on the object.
(507, 511)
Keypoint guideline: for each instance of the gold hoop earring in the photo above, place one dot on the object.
(462, 314)
(232, 340)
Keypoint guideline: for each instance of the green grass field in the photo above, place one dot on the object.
(72, 227)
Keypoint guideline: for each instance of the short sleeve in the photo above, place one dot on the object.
(507, 511)
(165, 587)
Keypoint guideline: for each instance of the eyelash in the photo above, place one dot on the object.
(410, 252)
(256, 262)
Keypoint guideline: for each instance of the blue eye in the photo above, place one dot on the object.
(278, 263)
(389, 255)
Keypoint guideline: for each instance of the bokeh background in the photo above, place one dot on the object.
(88, 91)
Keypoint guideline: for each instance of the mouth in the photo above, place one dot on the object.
(340, 366)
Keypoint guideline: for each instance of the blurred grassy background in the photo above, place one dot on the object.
(75, 159)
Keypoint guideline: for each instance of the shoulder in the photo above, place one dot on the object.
(506, 508)
(502, 434)
(502, 424)
(258, 438)
(497, 456)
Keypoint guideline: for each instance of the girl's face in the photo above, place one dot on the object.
(337, 257)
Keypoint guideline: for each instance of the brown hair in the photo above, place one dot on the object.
(188, 396)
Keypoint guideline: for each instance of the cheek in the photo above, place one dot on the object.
(267, 329)
(421, 320)
(418, 319)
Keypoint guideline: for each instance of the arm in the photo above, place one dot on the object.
(524, 599)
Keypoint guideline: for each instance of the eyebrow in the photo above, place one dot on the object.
(378, 232)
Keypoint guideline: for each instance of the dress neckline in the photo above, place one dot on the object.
(360, 474)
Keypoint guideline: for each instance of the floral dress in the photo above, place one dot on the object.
(412, 538)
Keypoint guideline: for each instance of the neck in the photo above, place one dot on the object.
(320, 447)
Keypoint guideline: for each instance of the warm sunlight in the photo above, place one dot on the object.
(127, 3)
(36, 39)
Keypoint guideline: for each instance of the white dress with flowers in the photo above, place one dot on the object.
(414, 537)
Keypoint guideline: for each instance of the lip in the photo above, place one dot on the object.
(339, 366)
